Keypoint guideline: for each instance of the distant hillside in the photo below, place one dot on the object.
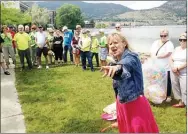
(90, 10)
(172, 12)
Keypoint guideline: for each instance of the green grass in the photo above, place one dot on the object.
(66, 99)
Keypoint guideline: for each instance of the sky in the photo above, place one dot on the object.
(136, 5)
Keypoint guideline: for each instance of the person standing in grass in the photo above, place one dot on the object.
(134, 114)
(57, 47)
(103, 51)
(179, 73)
(161, 50)
(95, 47)
(75, 47)
(85, 45)
(7, 46)
(32, 35)
(67, 39)
(79, 29)
(41, 40)
(50, 39)
(11, 30)
(2, 63)
(22, 41)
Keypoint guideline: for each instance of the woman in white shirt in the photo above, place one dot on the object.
(161, 50)
(179, 73)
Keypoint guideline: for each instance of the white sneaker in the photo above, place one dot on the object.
(47, 67)
(39, 67)
(169, 99)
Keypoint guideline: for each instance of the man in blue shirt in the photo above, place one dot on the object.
(67, 39)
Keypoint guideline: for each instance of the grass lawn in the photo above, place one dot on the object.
(66, 99)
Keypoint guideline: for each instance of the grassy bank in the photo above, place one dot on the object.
(66, 99)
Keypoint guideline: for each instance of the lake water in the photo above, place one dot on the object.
(141, 38)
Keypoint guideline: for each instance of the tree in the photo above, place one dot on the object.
(13, 16)
(69, 15)
(40, 16)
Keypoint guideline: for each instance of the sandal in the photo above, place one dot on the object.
(178, 106)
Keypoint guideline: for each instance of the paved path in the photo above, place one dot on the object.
(12, 119)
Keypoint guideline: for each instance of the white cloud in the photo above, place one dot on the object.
(137, 5)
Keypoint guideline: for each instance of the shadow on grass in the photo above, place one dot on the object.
(165, 104)
(86, 126)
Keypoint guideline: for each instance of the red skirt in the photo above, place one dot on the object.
(136, 117)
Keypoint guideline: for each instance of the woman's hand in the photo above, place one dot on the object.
(175, 70)
(110, 70)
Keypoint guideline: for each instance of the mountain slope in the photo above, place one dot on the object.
(172, 12)
(89, 10)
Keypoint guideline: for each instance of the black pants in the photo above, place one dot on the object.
(96, 57)
(26, 54)
(58, 53)
(169, 85)
(66, 49)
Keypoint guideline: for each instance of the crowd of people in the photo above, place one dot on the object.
(133, 110)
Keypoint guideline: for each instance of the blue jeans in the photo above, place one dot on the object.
(87, 55)
(65, 50)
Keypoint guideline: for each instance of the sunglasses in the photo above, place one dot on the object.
(184, 40)
(163, 36)
(40, 27)
(117, 27)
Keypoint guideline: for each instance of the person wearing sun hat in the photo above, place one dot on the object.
(67, 39)
(178, 65)
(85, 47)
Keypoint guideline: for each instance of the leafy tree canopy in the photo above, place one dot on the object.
(13, 16)
(69, 15)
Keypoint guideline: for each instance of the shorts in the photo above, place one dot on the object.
(103, 53)
(44, 50)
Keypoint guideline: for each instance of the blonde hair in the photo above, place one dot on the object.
(115, 36)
